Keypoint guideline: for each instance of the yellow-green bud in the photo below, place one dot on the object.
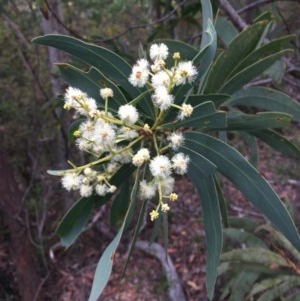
(176, 56)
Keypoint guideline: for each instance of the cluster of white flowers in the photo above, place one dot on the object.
(99, 135)
(87, 182)
(162, 80)
(121, 138)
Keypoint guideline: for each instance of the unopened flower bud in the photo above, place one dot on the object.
(153, 215)
(176, 56)
(105, 93)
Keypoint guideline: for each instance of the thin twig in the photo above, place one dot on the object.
(40, 286)
(233, 15)
(61, 23)
(160, 20)
(291, 82)
(12, 25)
(261, 3)
(259, 82)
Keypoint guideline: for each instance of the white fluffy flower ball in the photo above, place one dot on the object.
(159, 51)
(128, 114)
(160, 166)
(180, 163)
(162, 99)
(140, 73)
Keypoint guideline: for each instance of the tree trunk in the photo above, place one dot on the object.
(53, 24)
(14, 216)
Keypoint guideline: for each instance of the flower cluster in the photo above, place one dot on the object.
(162, 80)
(125, 136)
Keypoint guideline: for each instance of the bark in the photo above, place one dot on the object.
(14, 216)
(54, 25)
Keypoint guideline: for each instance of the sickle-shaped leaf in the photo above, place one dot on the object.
(239, 48)
(205, 167)
(212, 223)
(266, 99)
(105, 263)
(120, 205)
(104, 267)
(237, 121)
(277, 142)
(268, 49)
(238, 80)
(101, 58)
(75, 220)
(247, 179)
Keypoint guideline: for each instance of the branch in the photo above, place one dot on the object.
(156, 250)
(160, 20)
(232, 14)
(261, 3)
(11, 24)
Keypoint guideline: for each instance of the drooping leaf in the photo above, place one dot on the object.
(222, 203)
(75, 220)
(120, 204)
(130, 215)
(246, 178)
(136, 232)
(212, 223)
(101, 58)
(238, 121)
(266, 99)
(277, 142)
(205, 167)
(104, 266)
